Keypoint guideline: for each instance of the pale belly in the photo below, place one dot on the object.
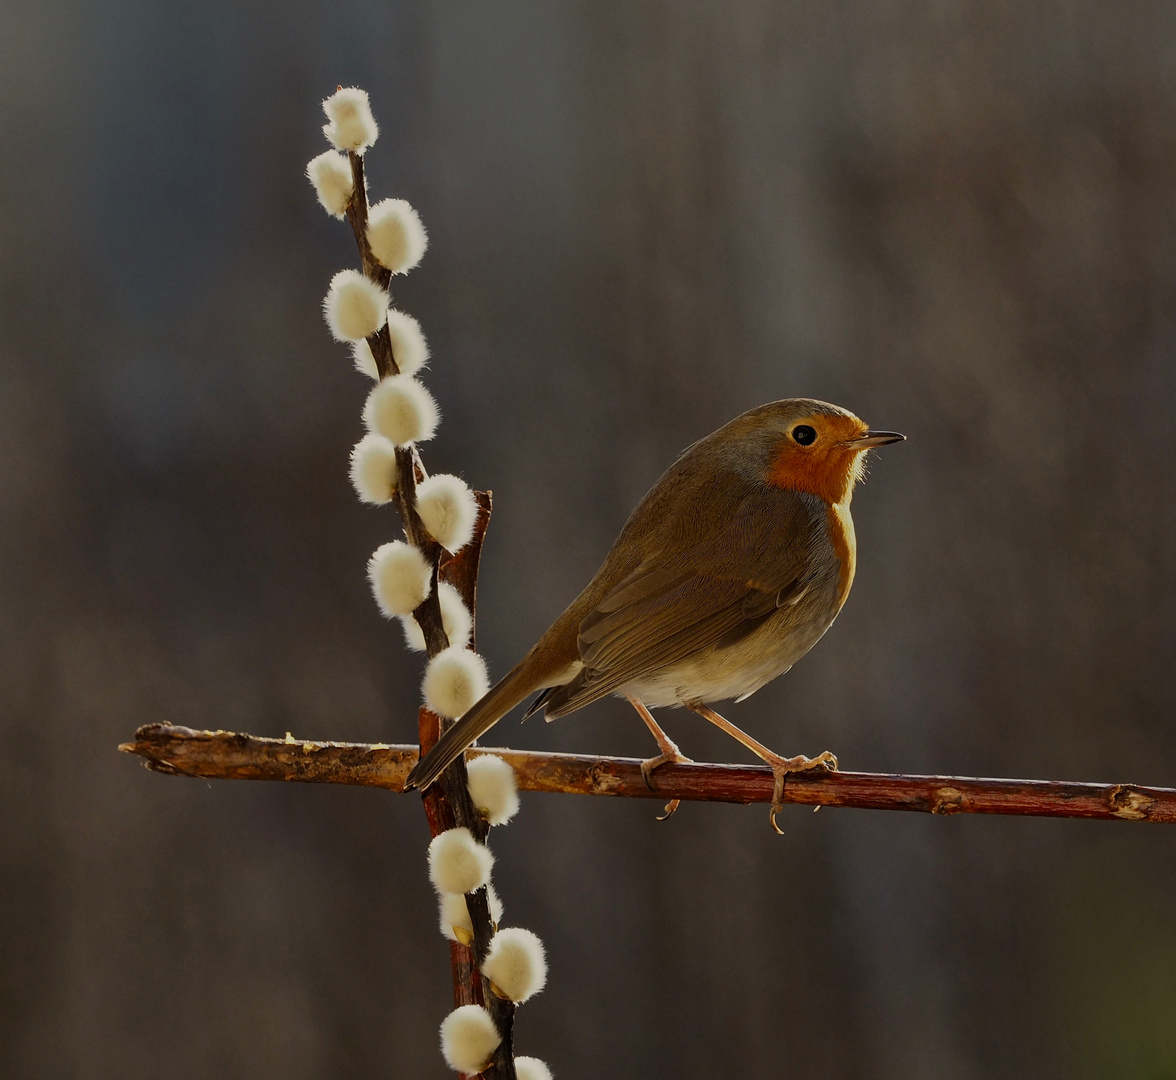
(741, 669)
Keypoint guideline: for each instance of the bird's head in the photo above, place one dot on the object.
(813, 446)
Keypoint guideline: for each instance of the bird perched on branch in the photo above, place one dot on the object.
(730, 569)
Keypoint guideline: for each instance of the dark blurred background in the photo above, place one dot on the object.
(956, 219)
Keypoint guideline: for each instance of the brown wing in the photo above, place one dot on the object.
(707, 595)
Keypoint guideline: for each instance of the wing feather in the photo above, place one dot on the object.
(706, 595)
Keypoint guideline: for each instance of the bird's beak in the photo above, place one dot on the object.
(875, 438)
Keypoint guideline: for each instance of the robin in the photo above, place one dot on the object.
(730, 569)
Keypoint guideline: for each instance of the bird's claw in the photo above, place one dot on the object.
(650, 764)
(647, 767)
(781, 768)
(671, 806)
(825, 760)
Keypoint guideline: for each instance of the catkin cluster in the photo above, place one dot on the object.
(399, 412)
(515, 965)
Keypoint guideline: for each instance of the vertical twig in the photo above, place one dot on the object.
(447, 803)
(461, 570)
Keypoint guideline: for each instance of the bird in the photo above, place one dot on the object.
(729, 570)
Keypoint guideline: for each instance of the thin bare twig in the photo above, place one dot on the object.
(226, 755)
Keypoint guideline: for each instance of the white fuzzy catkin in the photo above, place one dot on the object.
(448, 509)
(529, 1068)
(373, 469)
(468, 1039)
(454, 680)
(400, 577)
(493, 787)
(396, 235)
(516, 964)
(455, 618)
(365, 363)
(401, 409)
(354, 307)
(350, 124)
(457, 862)
(409, 348)
(330, 173)
(455, 913)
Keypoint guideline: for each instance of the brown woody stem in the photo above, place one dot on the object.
(226, 755)
(448, 804)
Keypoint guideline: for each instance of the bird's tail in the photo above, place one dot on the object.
(498, 701)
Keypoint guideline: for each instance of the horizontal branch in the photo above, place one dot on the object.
(226, 755)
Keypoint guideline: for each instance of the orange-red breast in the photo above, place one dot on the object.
(730, 569)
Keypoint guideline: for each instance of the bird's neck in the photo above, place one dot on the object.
(831, 477)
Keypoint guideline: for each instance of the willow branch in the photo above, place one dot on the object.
(448, 804)
(226, 755)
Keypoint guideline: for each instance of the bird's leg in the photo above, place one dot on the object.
(781, 766)
(669, 752)
(669, 749)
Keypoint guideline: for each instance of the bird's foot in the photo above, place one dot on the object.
(670, 756)
(782, 767)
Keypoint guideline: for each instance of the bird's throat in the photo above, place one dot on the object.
(830, 476)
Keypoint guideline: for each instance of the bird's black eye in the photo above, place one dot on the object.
(804, 434)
